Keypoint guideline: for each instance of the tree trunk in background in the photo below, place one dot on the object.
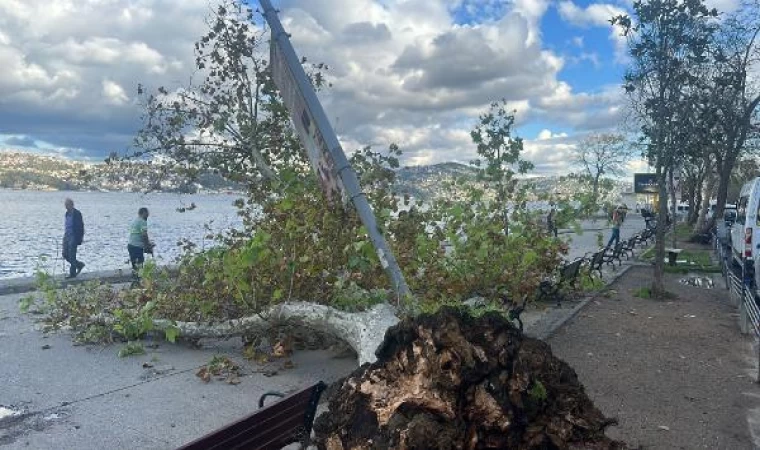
(673, 206)
(596, 188)
(658, 288)
(720, 201)
(709, 186)
(697, 208)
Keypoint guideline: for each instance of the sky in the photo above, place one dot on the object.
(416, 73)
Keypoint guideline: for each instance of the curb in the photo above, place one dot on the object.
(29, 284)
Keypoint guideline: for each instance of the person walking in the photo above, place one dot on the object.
(550, 221)
(139, 244)
(617, 220)
(73, 235)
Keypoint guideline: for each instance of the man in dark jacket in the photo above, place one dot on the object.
(72, 237)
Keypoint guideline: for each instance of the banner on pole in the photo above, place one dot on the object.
(317, 150)
(645, 183)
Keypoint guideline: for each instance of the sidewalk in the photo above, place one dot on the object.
(86, 397)
(676, 373)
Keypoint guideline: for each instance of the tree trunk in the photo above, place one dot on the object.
(704, 209)
(673, 207)
(658, 287)
(363, 331)
(596, 188)
(720, 201)
(695, 208)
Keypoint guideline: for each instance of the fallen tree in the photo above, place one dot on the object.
(362, 331)
(450, 380)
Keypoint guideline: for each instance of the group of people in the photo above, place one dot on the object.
(73, 236)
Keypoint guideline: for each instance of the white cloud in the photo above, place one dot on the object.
(114, 93)
(69, 65)
(550, 155)
(402, 71)
(596, 15)
(545, 135)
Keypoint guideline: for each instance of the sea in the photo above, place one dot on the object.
(32, 225)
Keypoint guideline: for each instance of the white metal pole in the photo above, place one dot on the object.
(342, 166)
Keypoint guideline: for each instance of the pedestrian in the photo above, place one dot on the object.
(617, 220)
(550, 221)
(72, 237)
(139, 244)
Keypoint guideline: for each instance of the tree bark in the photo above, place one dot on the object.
(697, 207)
(363, 331)
(723, 182)
(673, 206)
(707, 193)
(596, 187)
(658, 287)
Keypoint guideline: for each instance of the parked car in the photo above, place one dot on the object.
(745, 233)
(729, 215)
(714, 206)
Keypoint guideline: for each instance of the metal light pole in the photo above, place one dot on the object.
(325, 152)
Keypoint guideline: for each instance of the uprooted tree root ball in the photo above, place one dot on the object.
(453, 381)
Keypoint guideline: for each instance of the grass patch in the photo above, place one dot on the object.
(648, 254)
(684, 269)
(644, 292)
(131, 349)
(688, 261)
(684, 231)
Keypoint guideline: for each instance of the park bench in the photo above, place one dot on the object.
(644, 236)
(648, 234)
(673, 255)
(613, 254)
(273, 427)
(629, 246)
(568, 276)
(595, 263)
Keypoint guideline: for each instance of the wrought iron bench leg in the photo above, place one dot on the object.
(270, 394)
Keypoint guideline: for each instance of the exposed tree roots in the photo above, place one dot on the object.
(451, 381)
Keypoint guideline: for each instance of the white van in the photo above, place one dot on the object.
(714, 206)
(745, 233)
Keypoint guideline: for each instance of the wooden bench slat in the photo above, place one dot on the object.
(284, 433)
(251, 429)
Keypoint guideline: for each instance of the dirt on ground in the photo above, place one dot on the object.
(452, 381)
(677, 374)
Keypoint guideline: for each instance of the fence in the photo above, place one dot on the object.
(742, 294)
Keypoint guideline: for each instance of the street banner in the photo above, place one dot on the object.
(336, 176)
(645, 183)
(319, 155)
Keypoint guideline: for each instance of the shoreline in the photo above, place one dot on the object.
(22, 285)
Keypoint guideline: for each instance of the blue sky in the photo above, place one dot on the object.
(406, 72)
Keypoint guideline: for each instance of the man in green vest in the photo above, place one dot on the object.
(139, 244)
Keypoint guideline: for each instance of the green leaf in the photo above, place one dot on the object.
(171, 332)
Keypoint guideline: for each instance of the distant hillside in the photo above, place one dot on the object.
(426, 182)
(429, 182)
(31, 171)
(40, 172)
